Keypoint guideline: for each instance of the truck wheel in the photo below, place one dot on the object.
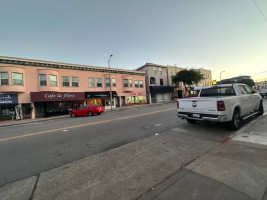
(234, 124)
(191, 121)
(261, 109)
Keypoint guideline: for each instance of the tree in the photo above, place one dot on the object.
(250, 82)
(188, 77)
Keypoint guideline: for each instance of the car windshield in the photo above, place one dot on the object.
(217, 91)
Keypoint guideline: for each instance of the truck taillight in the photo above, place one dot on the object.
(177, 104)
(220, 106)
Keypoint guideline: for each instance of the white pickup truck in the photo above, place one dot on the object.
(222, 103)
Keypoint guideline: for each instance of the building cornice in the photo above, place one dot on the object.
(59, 65)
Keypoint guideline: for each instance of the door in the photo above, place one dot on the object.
(117, 101)
(246, 101)
(123, 101)
(254, 98)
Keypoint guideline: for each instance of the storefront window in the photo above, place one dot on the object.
(42, 80)
(140, 99)
(107, 82)
(91, 82)
(129, 99)
(3, 78)
(74, 81)
(52, 80)
(17, 78)
(141, 84)
(136, 84)
(113, 82)
(125, 82)
(65, 81)
(99, 82)
(26, 110)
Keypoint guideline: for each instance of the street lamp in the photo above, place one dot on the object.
(221, 76)
(110, 93)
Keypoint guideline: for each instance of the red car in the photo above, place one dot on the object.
(87, 110)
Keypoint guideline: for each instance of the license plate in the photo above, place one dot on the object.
(196, 115)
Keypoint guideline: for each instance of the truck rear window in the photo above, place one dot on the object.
(217, 91)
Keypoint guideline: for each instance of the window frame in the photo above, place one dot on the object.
(62, 81)
(136, 85)
(51, 75)
(141, 84)
(92, 78)
(130, 83)
(107, 84)
(99, 82)
(124, 84)
(161, 81)
(74, 82)
(155, 70)
(114, 82)
(4, 79)
(17, 79)
(39, 80)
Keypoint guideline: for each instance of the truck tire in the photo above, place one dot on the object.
(261, 109)
(234, 124)
(191, 121)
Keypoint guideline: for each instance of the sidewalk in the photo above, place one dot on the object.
(26, 121)
(171, 165)
(236, 169)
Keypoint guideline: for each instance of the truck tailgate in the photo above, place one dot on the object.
(198, 105)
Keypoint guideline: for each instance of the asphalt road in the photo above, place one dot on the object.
(29, 149)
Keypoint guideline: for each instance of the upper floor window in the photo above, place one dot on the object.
(75, 81)
(52, 80)
(125, 82)
(17, 78)
(65, 81)
(160, 72)
(141, 84)
(42, 80)
(98, 82)
(4, 78)
(155, 70)
(136, 84)
(173, 73)
(107, 80)
(161, 81)
(91, 82)
(130, 83)
(152, 80)
(113, 82)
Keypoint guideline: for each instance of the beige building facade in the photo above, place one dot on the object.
(36, 88)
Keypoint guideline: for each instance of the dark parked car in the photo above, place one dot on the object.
(87, 110)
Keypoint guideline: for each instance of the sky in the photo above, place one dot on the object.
(219, 35)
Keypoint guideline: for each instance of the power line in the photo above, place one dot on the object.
(260, 10)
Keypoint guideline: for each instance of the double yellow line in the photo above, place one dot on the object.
(81, 125)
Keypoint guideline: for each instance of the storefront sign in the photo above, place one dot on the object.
(8, 99)
(56, 96)
(137, 94)
(99, 94)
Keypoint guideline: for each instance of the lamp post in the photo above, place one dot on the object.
(221, 76)
(110, 93)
